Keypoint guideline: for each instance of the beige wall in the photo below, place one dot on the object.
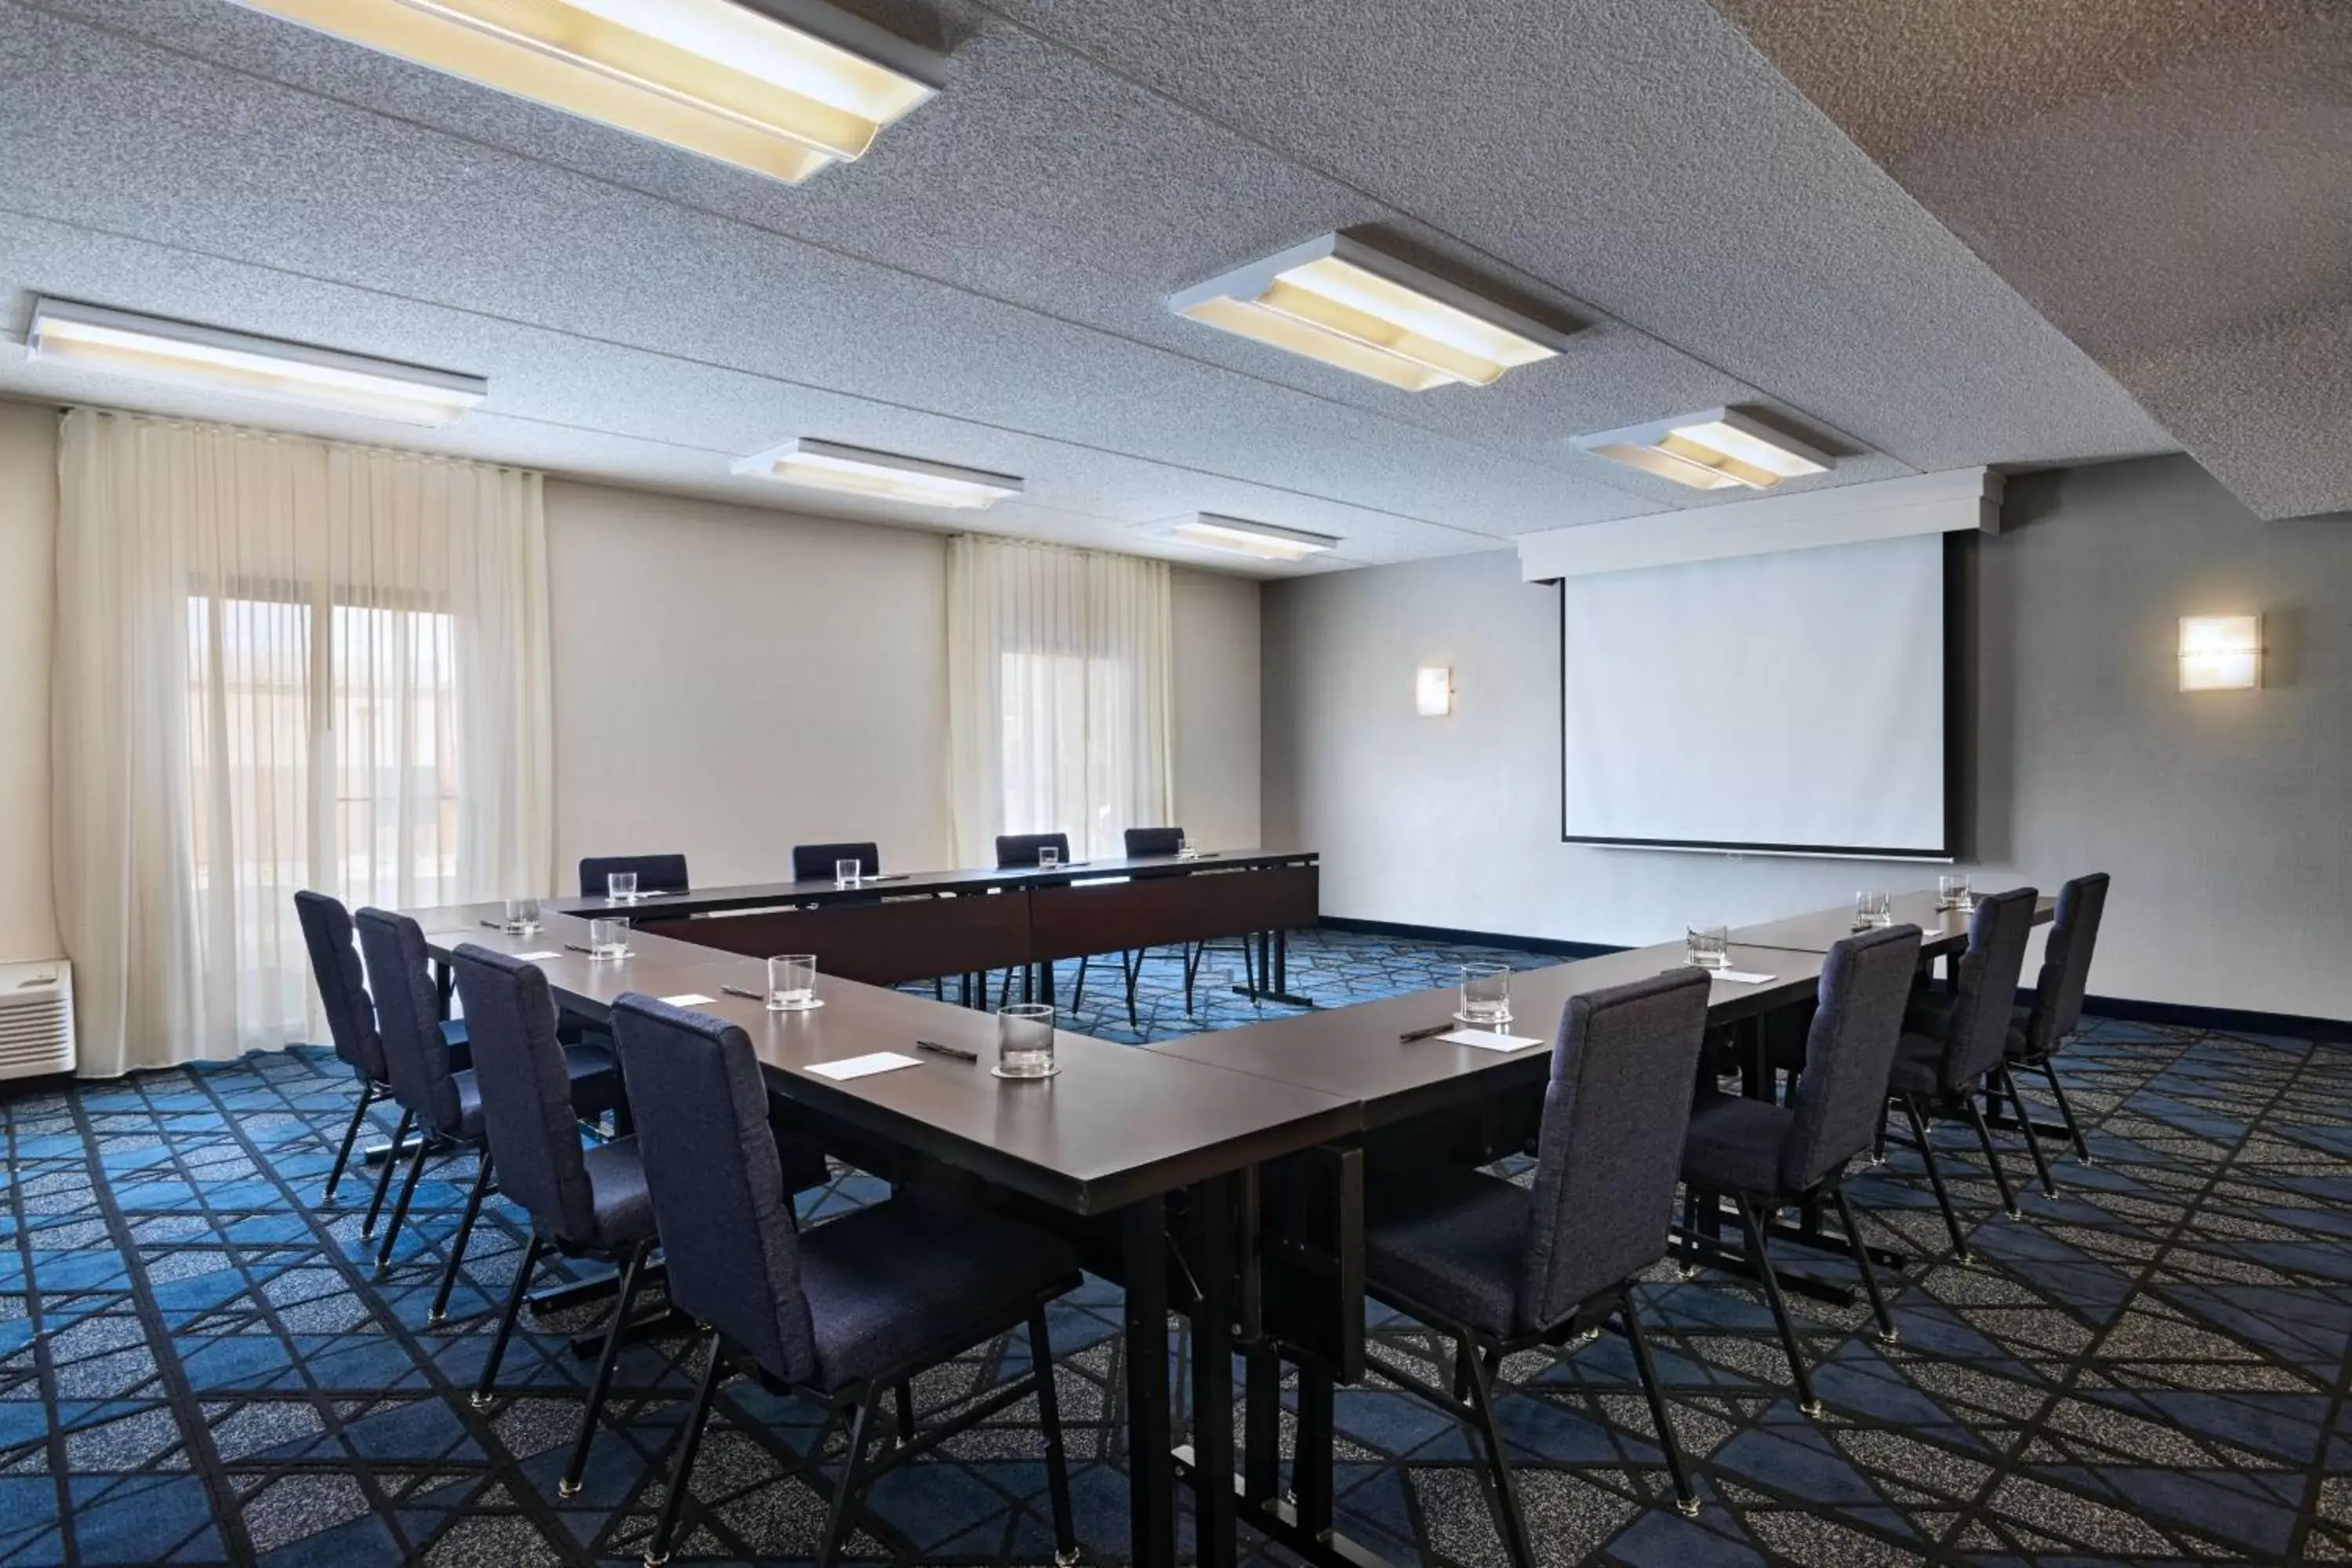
(1216, 703)
(28, 514)
(2221, 816)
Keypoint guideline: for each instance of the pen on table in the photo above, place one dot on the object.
(956, 1051)
(495, 925)
(739, 991)
(577, 948)
(1425, 1033)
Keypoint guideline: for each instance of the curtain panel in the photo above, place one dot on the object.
(280, 663)
(1060, 707)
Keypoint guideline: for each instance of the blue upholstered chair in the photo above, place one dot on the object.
(1500, 1268)
(2036, 1032)
(814, 862)
(838, 1312)
(444, 1103)
(655, 873)
(1954, 1043)
(351, 1022)
(1765, 1156)
(583, 1201)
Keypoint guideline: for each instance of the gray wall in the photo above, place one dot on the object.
(2225, 816)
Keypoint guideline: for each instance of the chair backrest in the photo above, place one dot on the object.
(1984, 993)
(1841, 1096)
(526, 1091)
(408, 1012)
(655, 873)
(1143, 841)
(1623, 1070)
(813, 862)
(719, 1203)
(342, 984)
(2065, 963)
(1014, 850)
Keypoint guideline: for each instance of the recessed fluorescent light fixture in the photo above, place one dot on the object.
(91, 337)
(1237, 537)
(885, 476)
(1339, 300)
(1719, 450)
(784, 91)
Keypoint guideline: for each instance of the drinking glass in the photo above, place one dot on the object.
(1048, 857)
(1952, 892)
(1024, 1040)
(608, 939)
(846, 873)
(1708, 947)
(621, 886)
(1485, 995)
(792, 983)
(1872, 907)
(1185, 850)
(522, 916)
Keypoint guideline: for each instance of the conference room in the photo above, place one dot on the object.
(978, 783)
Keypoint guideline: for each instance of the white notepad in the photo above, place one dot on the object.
(1488, 1040)
(686, 999)
(865, 1066)
(1744, 976)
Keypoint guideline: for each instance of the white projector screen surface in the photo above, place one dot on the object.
(1791, 701)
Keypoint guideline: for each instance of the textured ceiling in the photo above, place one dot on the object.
(2169, 181)
(987, 285)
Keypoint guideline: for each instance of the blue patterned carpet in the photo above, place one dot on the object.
(197, 1364)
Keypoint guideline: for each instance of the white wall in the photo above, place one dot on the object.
(2222, 816)
(1216, 703)
(28, 518)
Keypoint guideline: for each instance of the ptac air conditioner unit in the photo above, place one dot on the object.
(36, 1021)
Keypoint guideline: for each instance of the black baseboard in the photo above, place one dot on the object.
(1471, 938)
(2176, 1015)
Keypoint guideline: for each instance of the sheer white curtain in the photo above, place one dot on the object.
(280, 664)
(1058, 705)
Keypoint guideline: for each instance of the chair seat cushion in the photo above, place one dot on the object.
(919, 1279)
(617, 1186)
(1928, 1012)
(2019, 1046)
(596, 1079)
(1918, 1065)
(1453, 1242)
(1734, 1143)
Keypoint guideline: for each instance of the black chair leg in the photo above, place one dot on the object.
(458, 1242)
(1887, 1330)
(1133, 963)
(384, 1176)
(1936, 1177)
(490, 1377)
(844, 1496)
(351, 1136)
(1758, 1256)
(2025, 1121)
(1507, 1512)
(2067, 1111)
(399, 1207)
(1685, 1499)
(569, 1486)
(1192, 972)
(1992, 1158)
(1049, 1416)
(657, 1548)
(902, 1400)
(938, 989)
(1078, 989)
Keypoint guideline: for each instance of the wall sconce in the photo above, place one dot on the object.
(1432, 691)
(2220, 653)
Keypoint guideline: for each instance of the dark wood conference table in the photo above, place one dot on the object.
(923, 925)
(1942, 932)
(1114, 1134)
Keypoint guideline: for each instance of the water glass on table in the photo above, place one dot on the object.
(1486, 996)
(1872, 907)
(792, 983)
(1024, 1040)
(1952, 892)
(847, 873)
(621, 886)
(1707, 947)
(521, 917)
(608, 939)
(1048, 857)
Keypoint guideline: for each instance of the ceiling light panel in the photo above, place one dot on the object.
(1236, 536)
(881, 476)
(708, 76)
(1339, 300)
(153, 348)
(1721, 448)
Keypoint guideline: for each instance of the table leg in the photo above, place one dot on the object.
(1311, 1465)
(1151, 1459)
(1213, 1508)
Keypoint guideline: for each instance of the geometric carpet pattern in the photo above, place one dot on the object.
(199, 1364)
